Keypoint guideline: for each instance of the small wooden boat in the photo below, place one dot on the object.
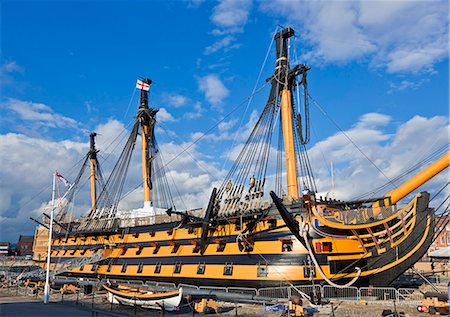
(145, 298)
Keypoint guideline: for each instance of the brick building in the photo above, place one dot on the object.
(25, 245)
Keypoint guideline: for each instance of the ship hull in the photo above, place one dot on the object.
(166, 253)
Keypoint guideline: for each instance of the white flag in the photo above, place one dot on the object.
(142, 86)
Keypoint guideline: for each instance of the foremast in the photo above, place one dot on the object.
(93, 168)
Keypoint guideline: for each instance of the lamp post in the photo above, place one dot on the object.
(47, 275)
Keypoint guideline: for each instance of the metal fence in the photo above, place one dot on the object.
(281, 293)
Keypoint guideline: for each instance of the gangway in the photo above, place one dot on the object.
(63, 266)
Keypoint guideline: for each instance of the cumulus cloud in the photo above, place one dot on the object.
(164, 116)
(196, 113)
(25, 190)
(213, 89)
(38, 113)
(392, 153)
(227, 43)
(399, 36)
(231, 15)
(176, 101)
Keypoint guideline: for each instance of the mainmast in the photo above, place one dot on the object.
(93, 166)
(146, 118)
(283, 77)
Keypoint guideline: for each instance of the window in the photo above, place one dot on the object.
(221, 246)
(73, 252)
(191, 230)
(249, 245)
(139, 250)
(262, 271)
(308, 271)
(94, 267)
(286, 246)
(158, 268)
(448, 239)
(124, 250)
(196, 248)
(124, 268)
(201, 268)
(177, 268)
(272, 223)
(109, 267)
(228, 269)
(83, 252)
(136, 234)
(170, 232)
(152, 233)
(156, 249)
(140, 267)
(327, 247)
(82, 267)
(175, 247)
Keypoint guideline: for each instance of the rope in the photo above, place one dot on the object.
(304, 228)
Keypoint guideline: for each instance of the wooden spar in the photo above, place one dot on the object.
(283, 76)
(289, 148)
(419, 179)
(145, 121)
(145, 169)
(93, 167)
(416, 181)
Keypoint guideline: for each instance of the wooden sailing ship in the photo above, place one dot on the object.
(246, 237)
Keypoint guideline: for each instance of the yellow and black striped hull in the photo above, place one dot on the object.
(163, 252)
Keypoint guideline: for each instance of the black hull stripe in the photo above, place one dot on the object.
(244, 259)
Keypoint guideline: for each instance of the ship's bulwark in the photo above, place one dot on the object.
(270, 255)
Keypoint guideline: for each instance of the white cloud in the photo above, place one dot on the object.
(392, 153)
(197, 113)
(406, 85)
(38, 113)
(231, 15)
(227, 125)
(214, 89)
(164, 116)
(11, 67)
(399, 36)
(176, 100)
(227, 43)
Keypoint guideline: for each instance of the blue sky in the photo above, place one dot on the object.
(380, 69)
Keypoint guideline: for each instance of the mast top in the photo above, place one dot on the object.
(144, 86)
(92, 150)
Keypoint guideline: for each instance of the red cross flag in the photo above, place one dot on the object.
(142, 86)
(63, 179)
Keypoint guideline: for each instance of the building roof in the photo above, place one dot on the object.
(26, 239)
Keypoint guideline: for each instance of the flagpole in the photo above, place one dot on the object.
(47, 275)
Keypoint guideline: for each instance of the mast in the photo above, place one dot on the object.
(284, 79)
(93, 166)
(147, 121)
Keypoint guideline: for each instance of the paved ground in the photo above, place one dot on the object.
(12, 305)
(26, 307)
